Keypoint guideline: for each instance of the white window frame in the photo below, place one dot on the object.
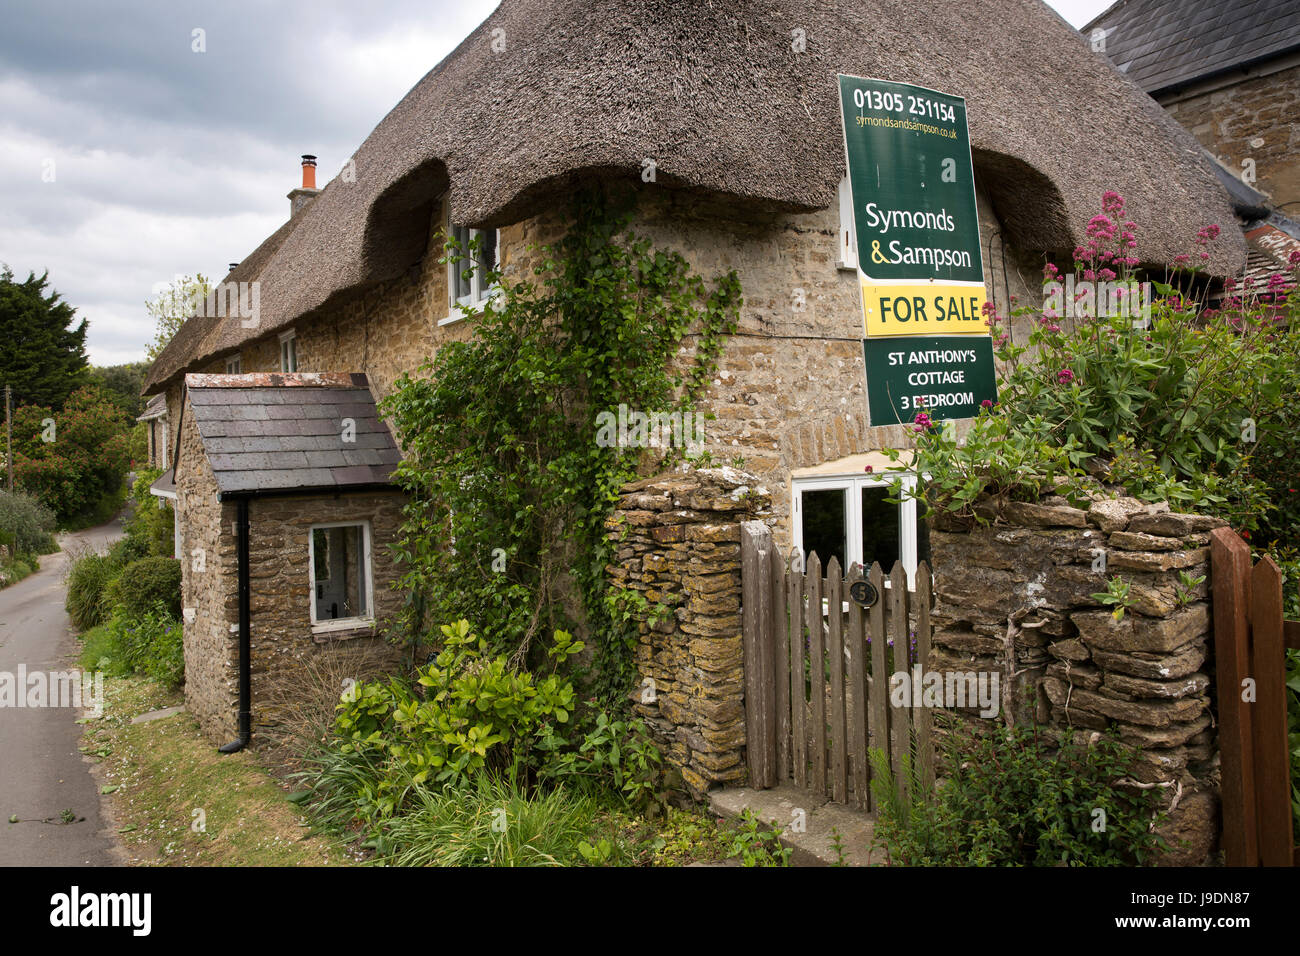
(341, 623)
(235, 364)
(289, 350)
(907, 515)
(847, 255)
(458, 307)
(161, 438)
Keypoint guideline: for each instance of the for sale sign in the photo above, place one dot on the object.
(916, 227)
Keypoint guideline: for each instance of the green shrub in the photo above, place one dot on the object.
(150, 527)
(13, 570)
(470, 715)
(89, 578)
(146, 583)
(26, 525)
(491, 822)
(1016, 798)
(150, 644)
(127, 549)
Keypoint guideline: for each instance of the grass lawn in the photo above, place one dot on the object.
(164, 779)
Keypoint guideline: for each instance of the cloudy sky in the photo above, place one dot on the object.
(128, 157)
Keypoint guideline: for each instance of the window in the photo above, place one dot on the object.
(851, 519)
(162, 444)
(233, 365)
(847, 256)
(341, 583)
(289, 352)
(467, 285)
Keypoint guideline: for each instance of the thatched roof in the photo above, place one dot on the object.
(713, 93)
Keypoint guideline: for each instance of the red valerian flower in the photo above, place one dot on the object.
(1065, 376)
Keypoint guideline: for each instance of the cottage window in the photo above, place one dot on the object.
(467, 283)
(289, 352)
(340, 570)
(851, 519)
(233, 365)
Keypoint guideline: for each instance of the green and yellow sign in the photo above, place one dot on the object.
(918, 240)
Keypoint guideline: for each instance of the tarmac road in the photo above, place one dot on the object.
(42, 771)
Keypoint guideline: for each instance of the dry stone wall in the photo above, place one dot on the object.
(1016, 598)
(678, 543)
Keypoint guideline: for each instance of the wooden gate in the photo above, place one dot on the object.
(817, 673)
(1250, 641)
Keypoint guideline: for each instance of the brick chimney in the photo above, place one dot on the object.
(301, 197)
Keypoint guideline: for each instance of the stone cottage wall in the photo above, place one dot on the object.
(678, 543)
(208, 586)
(280, 600)
(1015, 598)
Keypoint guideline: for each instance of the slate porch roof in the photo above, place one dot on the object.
(156, 407)
(265, 432)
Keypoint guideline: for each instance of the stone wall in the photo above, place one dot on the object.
(678, 543)
(283, 638)
(1231, 121)
(208, 588)
(1016, 598)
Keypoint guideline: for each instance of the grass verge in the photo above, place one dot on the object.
(175, 801)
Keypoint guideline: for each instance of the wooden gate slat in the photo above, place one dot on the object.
(781, 665)
(835, 651)
(879, 690)
(900, 717)
(924, 716)
(858, 692)
(1272, 759)
(817, 674)
(798, 679)
(1230, 567)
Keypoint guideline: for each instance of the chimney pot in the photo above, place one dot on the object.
(308, 171)
(233, 266)
(299, 198)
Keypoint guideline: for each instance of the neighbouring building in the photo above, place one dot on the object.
(1227, 70)
(736, 106)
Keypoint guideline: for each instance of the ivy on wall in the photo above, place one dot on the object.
(509, 486)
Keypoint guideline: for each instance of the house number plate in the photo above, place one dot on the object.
(863, 593)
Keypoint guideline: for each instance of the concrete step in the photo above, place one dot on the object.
(812, 844)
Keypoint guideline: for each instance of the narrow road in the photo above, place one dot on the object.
(42, 771)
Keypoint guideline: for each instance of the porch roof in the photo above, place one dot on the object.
(272, 432)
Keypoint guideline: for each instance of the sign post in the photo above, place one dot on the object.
(920, 267)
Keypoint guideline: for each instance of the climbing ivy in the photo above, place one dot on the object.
(509, 488)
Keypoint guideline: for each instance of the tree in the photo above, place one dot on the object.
(73, 458)
(121, 384)
(172, 306)
(44, 355)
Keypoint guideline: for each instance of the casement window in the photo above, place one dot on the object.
(847, 256)
(234, 364)
(289, 351)
(342, 590)
(851, 519)
(468, 285)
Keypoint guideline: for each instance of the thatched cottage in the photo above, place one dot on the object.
(737, 107)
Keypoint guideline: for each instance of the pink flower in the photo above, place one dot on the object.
(1229, 284)
(1065, 376)
(987, 403)
(1089, 275)
(922, 422)
(1106, 274)
(1294, 258)
(1112, 202)
(867, 469)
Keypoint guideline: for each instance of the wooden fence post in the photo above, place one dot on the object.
(1230, 567)
(756, 627)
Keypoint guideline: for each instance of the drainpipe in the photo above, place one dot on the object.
(245, 668)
